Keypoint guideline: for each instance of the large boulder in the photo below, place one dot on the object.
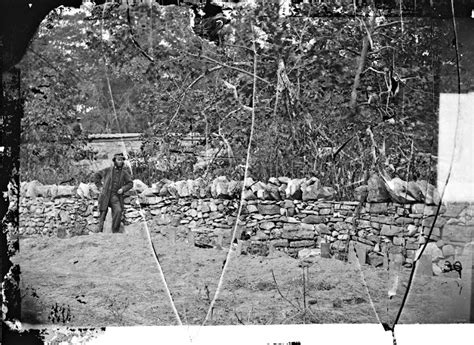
(198, 188)
(398, 190)
(234, 188)
(53, 191)
(313, 181)
(83, 190)
(273, 190)
(139, 186)
(204, 189)
(248, 195)
(163, 186)
(23, 186)
(430, 193)
(310, 189)
(64, 191)
(433, 250)
(274, 181)
(93, 190)
(256, 187)
(150, 192)
(414, 190)
(220, 187)
(249, 182)
(284, 179)
(326, 193)
(194, 187)
(164, 191)
(158, 185)
(30, 188)
(148, 200)
(293, 189)
(263, 192)
(159, 188)
(172, 189)
(44, 190)
(182, 188)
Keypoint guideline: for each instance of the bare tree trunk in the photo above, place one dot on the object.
(360, 67)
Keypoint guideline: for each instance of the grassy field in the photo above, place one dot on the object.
(112, 279)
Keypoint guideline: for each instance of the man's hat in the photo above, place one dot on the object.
(119, 155)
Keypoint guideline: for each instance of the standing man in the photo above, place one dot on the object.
(117, 181)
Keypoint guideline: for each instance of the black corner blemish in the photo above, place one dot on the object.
(386, 327)
(11, 110)
(30, 337)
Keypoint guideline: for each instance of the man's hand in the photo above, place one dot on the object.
(120, 191)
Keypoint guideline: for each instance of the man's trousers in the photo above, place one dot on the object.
(114, 204)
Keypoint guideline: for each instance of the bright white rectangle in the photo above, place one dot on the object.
(366, 334)
(456, 131)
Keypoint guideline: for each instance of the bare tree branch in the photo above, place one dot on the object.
(194, 82)
(385, 25)
(360, 67)
(379, 50)
(374, 70)
(54, 67)
(230, 67)
(132, 36)
(279, 292)
(246, 171)
(238, 318)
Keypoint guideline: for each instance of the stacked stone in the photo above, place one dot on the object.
(383, 229)
(62, 217)
(274, 224)
(398, 231)
(284, 214)
(213, 217)
(456, 237)
(221, 188)
(209, 219)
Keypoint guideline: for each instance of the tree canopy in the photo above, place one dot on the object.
(329, 89)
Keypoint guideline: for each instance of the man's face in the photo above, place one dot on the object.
(119, 162)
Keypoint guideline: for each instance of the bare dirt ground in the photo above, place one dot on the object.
(112, 279)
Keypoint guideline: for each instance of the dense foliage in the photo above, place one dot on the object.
(142, 69)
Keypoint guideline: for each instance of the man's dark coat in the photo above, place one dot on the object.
(125, 182)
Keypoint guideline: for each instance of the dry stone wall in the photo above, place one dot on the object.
(278, 218)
